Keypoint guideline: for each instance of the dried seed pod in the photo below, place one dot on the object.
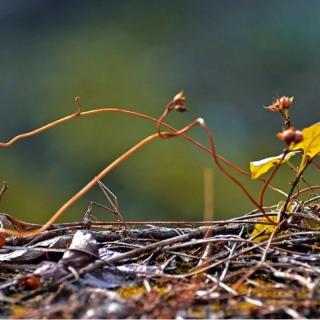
(298, 136)
(178, 102)
(286, 135)
(290, 135)
(179, 98)
(285, 102)
(275, 107)
(32, 282)
(280, 104)
(180, 108)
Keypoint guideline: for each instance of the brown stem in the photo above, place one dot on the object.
(161, 120)
(122, 111)
(122, 158)
(267, 182)
(92, 183)
(214, 155)
(228, 175)
(83, 191)
(312, 188)
(116, 110)
(294, 184)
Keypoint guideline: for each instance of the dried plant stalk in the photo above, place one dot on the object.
(173, 133)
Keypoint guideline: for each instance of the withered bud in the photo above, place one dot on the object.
(273, 107)
(285, 102)
(32, 282)
(280, 104)
(179, 98)
(298, 136)
(180, 108)
(178, 102)
(290, 135)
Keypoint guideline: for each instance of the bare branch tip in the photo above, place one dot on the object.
(201, 121)
(179, 102)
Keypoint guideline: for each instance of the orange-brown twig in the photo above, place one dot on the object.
(124, 156)
(230, 176)
(293, 187)
(121, 111)
(311, 188)
(268, 181)
(83, 191)
(92, 183)
(175, 104)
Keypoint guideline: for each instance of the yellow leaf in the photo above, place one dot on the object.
(260, 167)
(262, 232)
(310, 145)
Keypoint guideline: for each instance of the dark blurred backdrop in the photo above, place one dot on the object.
(230, 57)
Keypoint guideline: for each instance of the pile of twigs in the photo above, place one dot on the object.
(165, 270)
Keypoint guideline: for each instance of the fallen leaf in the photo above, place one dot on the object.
(30, 253)
(261, 232)
(82, 250)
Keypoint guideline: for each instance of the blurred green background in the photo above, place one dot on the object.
(230, 57)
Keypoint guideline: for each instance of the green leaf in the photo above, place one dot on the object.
(260, 167)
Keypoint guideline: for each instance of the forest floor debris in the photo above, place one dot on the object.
(103, 270)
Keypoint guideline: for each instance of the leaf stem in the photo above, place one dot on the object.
(293, 186)
(268, 181)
